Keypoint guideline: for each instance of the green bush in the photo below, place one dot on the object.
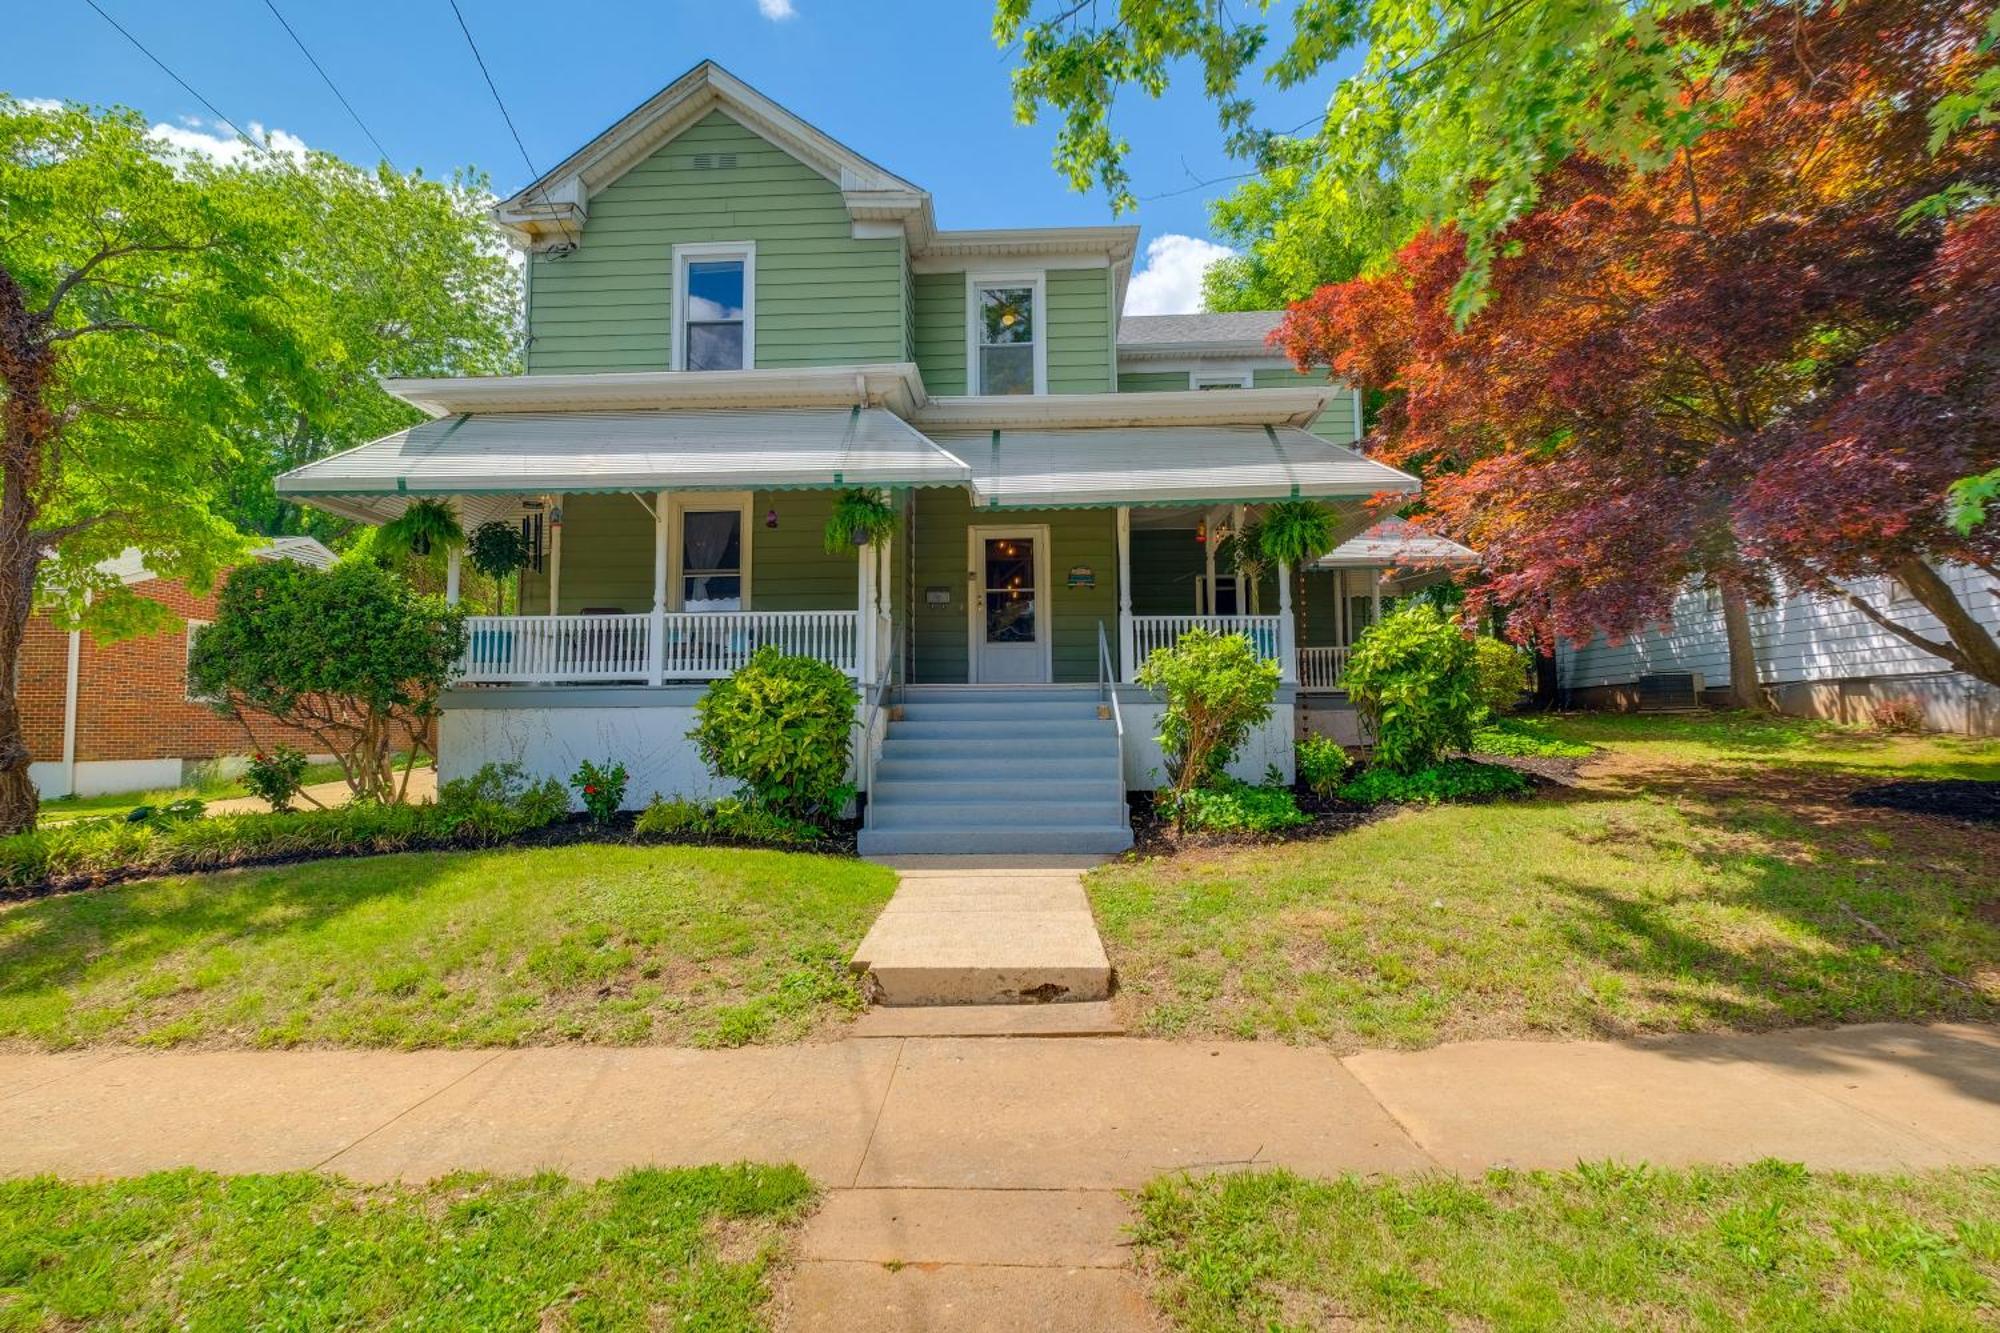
(1322, 762)
(1413, 681)
(277, 776)
(782, 726)
(1452, 780)
(601, 788)
(729, 819)
(497, 803)
(1216, 689)
(1232, 806)
(1502, 671)
(1524, 739)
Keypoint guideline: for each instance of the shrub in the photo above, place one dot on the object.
(730, 819)
(1897, 715)
(171, 812)
(1413, 681)
(1523, 739)
(1502, 674)
(496, 803)
(1216, 689)
(1452, 780)
(601, 788)
(1322, 762)
(277, 776)
(1231, 806)
(782, 726)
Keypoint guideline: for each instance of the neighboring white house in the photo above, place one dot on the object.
(1817, 657)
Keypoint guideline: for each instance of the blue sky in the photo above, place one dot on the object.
(918, 87)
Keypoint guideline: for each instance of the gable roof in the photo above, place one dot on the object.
(1231, 333)
(550, 211)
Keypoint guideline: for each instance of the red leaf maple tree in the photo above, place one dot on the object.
(1751, 368)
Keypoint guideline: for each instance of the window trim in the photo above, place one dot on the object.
(1237, 379)
(709, 250)
(678, 504)
(1037, 280)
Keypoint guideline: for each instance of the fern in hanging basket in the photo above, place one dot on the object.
(860, 518)
(425, 528)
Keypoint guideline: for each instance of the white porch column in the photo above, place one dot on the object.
(1208, 561)
(1374, 597)
(555, 554)
(1288, 655)
(1128, 644)
(882, 626)
(656, 636)
(864, 629)
(1340, 629)
(451, 564)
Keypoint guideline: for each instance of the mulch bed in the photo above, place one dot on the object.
(1965, 799)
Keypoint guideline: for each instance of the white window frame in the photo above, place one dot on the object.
(1037, 280)
(1220, 379)
(711, 250)
(193, 631)
(678, 503)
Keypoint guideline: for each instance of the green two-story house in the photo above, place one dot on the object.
(732, 320)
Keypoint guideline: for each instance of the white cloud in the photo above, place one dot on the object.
(776, 10)
(1169, 282)
(216, 141)
(40, 104)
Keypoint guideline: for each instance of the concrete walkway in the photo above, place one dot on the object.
(423, 787)
(972, 1181)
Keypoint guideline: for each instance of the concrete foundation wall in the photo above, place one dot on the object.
(1949, 701)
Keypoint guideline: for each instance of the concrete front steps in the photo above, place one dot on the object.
(969, 771)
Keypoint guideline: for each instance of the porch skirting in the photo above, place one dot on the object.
(1269, 746)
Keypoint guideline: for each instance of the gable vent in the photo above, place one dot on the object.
(713, 161)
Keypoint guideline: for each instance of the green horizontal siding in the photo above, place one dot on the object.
(938, 331)
(1151, 381)
(1336, 423)
(822, 297)
(1079, 327)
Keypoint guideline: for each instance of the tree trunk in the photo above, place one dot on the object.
(1745, 689)
(26, 429)
(1548, 684)
(1977, 654)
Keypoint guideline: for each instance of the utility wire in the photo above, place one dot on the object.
(328, 79)
(168, 71)
(534, 176)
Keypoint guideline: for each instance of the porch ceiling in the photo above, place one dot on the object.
(1053, 467)
(536, 453)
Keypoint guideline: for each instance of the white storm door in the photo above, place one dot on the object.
(1009, 606)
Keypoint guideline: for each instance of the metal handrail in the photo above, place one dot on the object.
(864, 766)
(1107, 689)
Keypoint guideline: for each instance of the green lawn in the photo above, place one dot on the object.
(1765, 1247)
(1708, 876)
(675, 945)
(685, 1249)
(65, 808)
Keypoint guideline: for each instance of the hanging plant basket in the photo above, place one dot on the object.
(859, 518)
(427, 526)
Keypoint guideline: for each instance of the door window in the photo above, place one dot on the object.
(1010, 590)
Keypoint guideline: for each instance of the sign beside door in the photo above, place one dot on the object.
(1008, 606)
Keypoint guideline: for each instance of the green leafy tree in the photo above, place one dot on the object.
(1414, 679)
(352, 655)
(1453, 111)
(1216, 689)
(174, 332)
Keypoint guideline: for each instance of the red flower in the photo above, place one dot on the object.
(589, 790)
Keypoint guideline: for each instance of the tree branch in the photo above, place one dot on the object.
(1948, 652)
(101, 326)
(104, 256)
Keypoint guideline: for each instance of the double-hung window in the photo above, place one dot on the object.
(715, 297)
(1007, 353)
(709, 554)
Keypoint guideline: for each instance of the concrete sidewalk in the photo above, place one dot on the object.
(972, 1182)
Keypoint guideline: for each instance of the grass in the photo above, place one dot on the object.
(65, 808)
(676, 945)
(1708, 876)
(1767, 1246)
(685, 1249)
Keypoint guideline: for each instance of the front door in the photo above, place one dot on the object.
(1009, 606)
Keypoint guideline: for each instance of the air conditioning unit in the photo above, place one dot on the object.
(1670, 692)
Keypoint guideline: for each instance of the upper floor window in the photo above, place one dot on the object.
(1233, 379)
(1007, 349)
(715, 294)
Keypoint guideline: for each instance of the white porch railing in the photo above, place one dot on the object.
(505, 650)
(1321, 668)
(1266, 633)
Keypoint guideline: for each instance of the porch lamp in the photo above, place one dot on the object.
(771, 517)
(1201, 533)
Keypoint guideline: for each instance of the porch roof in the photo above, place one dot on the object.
(537, 453)
(1056, 467)
(1393, 541)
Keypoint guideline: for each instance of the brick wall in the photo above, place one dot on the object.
(132, 695)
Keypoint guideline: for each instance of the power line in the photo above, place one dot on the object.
(168, 71)
(534, 176)
(328, 78)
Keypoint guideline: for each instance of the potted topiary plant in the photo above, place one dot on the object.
(499, 551)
